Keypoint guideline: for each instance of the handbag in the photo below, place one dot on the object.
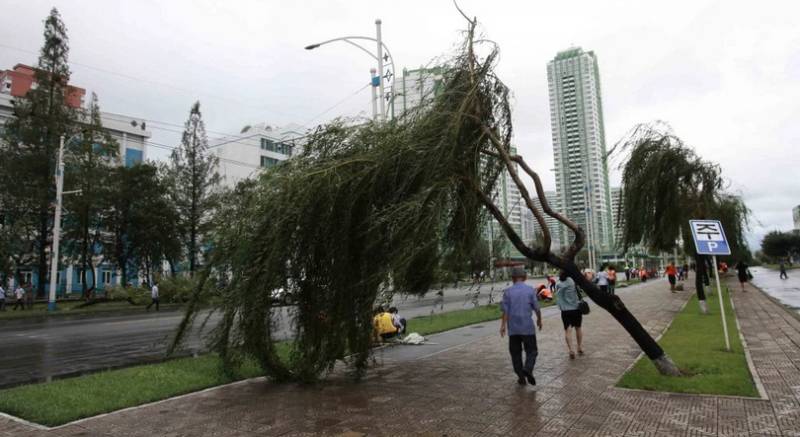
(583, 306)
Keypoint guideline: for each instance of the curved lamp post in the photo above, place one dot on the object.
(378, 56)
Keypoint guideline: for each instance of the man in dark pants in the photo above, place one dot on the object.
(519, 302)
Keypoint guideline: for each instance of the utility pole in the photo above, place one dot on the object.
(51, 303)
(374, 82)
(381, 93)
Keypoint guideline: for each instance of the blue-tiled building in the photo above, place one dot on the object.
(132, 135)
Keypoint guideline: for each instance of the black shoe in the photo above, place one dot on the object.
(530, 378)
(521, 380)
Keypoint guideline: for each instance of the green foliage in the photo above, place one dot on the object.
(88, 167)
(177, 289)
(29, 147)
(696, 342)
(778, 245)
(665, 184)
(192, 179)
(364, 211)
(142, 220)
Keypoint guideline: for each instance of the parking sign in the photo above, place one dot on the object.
(709, 237)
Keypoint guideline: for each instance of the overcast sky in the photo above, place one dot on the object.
(724, 74)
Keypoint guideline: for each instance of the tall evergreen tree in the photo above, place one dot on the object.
(89, 160)
(194, 179)
(31, 140)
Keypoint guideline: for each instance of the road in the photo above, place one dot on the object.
(38, 350)
(787, 291)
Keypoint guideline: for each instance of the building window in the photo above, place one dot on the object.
(267, 162)
(277, 147)
(106, 277)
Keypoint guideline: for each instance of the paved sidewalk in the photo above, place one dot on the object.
(470, 390)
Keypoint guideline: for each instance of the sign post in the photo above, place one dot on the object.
(709, 239)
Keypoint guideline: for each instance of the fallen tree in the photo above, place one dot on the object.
(371, 209)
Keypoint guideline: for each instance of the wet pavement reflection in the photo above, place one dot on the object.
(787, 291)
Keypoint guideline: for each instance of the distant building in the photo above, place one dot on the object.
(415, 88)
(796, 217)
(531, 227)
(617, 214)
(579, 148)
(257, 147)
(131, 134)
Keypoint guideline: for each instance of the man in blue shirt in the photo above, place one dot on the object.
(519, 302)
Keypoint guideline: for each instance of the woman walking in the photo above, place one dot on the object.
(743, 273)
(567, 299)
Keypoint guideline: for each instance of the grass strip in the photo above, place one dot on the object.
(67, 308)
(65, 400)
(697, 345)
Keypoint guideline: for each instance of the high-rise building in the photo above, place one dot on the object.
(796, 217)
(618, 218)
(531, 227)
(257, 147)
(579, 147)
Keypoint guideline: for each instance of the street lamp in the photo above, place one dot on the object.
(378, 56)
(51, 303)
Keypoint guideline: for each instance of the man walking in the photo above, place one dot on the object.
(783, 271)
(154, 296)
(2, 298)
(519, 301)
(19, 293)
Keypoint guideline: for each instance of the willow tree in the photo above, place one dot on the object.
(665, 184)
(367, 210)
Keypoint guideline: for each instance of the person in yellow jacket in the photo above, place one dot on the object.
(383, 324)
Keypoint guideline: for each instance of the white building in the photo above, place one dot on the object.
(579, 148)
(414, 88)
(257, 147)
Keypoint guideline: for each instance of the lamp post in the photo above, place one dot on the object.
(378, 56)
(51, 303)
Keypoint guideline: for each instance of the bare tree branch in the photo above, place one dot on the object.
(503, 151)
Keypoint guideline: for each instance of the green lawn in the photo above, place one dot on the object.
(697, 345)
(66, 308)
(65, 400)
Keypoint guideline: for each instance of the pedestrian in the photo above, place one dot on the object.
(672, 274)
(398, 321)
(571, 316)
(2, 298)
(383, 324)
(686, 272)
(612, 279)
(19, 293)
(627, 273)
(783, 271)
(743, 272)
(154, 296)
(519, 302)
(602, 279)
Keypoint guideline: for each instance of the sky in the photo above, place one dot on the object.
(725, 75)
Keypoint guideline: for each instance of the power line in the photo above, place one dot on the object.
(153, 82)
(338, 103)
(232, 161)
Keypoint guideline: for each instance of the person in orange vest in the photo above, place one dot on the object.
(612, 278)
(384, 327)
(544, 293)
(672, 275)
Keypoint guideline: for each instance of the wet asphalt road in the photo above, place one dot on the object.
(787, 291)
(38, 350)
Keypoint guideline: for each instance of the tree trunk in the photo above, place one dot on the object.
(613, 304)
(698, 277)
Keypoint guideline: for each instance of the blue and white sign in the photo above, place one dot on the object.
(709, 237)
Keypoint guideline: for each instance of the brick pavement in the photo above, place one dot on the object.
(470, 390)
